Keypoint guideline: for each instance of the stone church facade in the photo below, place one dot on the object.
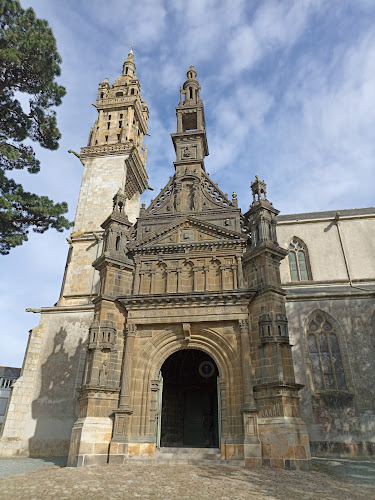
(188, 324)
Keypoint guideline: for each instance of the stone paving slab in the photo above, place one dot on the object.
(183, 482)
(20, 465)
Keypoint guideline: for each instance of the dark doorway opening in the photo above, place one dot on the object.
(189, 415)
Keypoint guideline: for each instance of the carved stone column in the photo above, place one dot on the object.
(178, 274)
(247, 377)
(252, 446)
(168, 281)
(206, 270)
(152, 281)
(141, 279)
(131, 331)
(223, 409)
(234, 274)
(124, 412)
(195, 270)
(222, 271)
(136, 279)
(239, 271)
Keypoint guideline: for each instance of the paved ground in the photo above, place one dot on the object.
(331, 479)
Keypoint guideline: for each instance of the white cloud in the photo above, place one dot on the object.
(244, 49)
(275, 25)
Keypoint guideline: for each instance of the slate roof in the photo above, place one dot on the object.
(9, 372)
(327, 214)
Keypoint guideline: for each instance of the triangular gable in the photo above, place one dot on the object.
(211, 197)
(188, 230)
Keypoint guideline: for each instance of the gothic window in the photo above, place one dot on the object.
(101, 95)
(106, 138)
(108, 125)
(120, 124)
(119, 94)
(132, 92)
(298, 257)
(325, 354)
(118, 137)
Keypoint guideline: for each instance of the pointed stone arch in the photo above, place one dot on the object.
(298, 260)
(326, 353)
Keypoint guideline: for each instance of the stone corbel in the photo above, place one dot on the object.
(186, 330)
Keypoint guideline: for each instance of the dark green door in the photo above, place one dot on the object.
(193, 418)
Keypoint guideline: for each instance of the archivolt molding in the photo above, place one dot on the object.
(161, 346)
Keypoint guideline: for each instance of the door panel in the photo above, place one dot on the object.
(193, 418)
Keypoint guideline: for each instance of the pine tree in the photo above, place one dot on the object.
(29, 63)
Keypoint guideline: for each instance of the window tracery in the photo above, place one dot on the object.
(325, 354)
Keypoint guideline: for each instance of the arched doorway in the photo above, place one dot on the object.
(189, 405)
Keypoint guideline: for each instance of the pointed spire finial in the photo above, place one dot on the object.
(131, 48)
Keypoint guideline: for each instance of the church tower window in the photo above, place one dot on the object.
(325, 355)
(299, 265)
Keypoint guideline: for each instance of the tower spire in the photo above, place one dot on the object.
(190, 141)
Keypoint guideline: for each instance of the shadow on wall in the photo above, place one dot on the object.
(56, 408)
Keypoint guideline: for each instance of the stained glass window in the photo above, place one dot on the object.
(325, 356)
(298, 261)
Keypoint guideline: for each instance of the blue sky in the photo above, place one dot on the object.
(289, 94)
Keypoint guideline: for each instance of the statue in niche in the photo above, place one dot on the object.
(186, 153)
(177, 199)
(194, 197)
(102, 379)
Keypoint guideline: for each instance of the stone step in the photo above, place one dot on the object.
(186, 450)
(194, 456)
(184, 461)
(185, 455)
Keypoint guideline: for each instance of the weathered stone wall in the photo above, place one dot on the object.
(81, 280)
(44, 403)
(102, 178)
(339, 421)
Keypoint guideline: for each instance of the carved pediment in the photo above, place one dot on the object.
(163, 203)
(188, 230)
(189, 192)
(212, 195)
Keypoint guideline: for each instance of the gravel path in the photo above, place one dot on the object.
(186, 482)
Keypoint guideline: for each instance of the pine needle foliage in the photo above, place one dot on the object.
(29, 63)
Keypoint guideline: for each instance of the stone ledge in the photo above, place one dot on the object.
(208, 298)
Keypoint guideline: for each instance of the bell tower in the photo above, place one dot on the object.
(114, 159)
(190, 141)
